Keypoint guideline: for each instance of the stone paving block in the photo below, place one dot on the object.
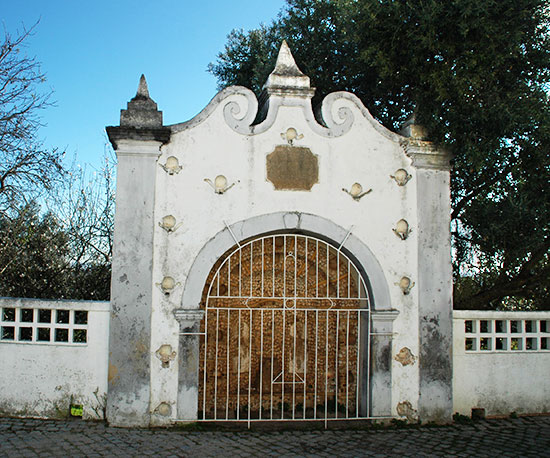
(529, 437)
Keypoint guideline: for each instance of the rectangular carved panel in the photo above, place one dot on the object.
(292, 168)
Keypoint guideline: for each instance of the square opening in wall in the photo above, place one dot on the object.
(44, 316)
(26, 315)
(43, 334)
(8, 314)
(500, 326)
(80, 317)
(544, 326)
(485, 343)
(8, 333)
(62, 316)
(79, 336)
(544, 343)
(484, 326)
(530, 326)
(25, 334)
(515, 326)
(470, 344)
(516, 344)
(501, 343)
(530, 343)
(61, 335)
(469, 327)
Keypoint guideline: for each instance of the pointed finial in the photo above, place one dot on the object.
(142, 110)
(286, 65)
(286, 73)
(143, 90)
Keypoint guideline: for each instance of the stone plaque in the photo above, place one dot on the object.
(292, 168)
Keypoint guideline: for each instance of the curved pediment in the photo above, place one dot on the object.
(286, 86)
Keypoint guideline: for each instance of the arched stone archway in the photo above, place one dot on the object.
(305, 223)
(372, 325)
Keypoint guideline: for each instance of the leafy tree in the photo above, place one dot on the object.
(33, 254)
(26, 167)
(37, 260)
(476, 75)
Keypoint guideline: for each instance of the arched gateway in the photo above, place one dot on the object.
(286, 333)
(275, 262)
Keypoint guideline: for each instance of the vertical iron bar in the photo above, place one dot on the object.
(272, 350)
(216, 364)
(338, 274)
(251, 267)
(263, 265)
(229, 276)
(261, 358)
(284, 271)
(317, 268)
(294, 363)
(347, 364)
(295, 268)
(250, 322)
(240, 271)
(283, 361)
(306, 335)
(227, 373)
(326, 367)
(368, 342)
(357, 372)
(349, 279)
(316, 365)
(306, 242)
(328, 271)
(239, 369)
(205, 368)
(336, 363)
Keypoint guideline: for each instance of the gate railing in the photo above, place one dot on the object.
(284, 364)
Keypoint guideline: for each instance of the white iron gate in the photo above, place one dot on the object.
(285, 334)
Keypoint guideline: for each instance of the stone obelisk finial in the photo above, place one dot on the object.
(142, 110)
(286, 76)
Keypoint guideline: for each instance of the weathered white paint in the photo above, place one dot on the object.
(222, 140)
(42, 380)
(500, 382)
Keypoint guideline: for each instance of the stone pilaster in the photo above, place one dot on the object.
(137, 144)
(381, 362)
(434, 279)
(188, 378)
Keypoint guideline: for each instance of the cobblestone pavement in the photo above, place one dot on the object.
(525, 436)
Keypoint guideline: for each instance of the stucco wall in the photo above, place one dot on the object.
(234, 138)
(40, 379)
(506, 380)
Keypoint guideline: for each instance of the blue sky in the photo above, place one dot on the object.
(93, 53)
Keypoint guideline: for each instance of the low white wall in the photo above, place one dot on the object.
(501, 362)
(41, 377)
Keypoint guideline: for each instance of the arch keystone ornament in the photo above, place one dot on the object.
(277, 297)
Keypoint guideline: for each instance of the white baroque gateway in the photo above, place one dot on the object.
(259, 258)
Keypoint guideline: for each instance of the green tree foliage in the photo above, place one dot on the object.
(477, 75)
(37, 260)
